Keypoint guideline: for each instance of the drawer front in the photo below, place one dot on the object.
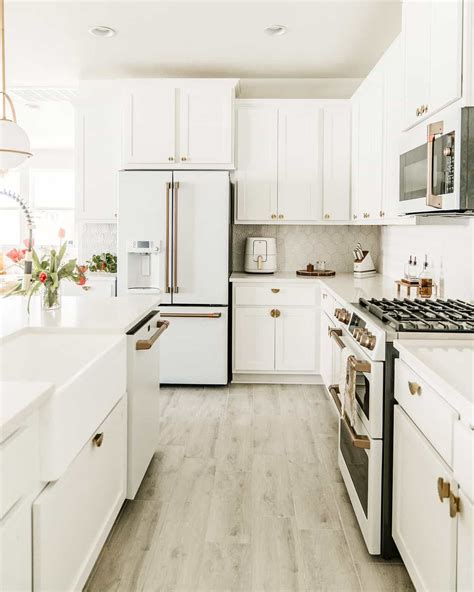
(15, 549)
(463, 461)
(276, 295)
(327, 302)
(429, 411)
(18, 464)
(73, 515)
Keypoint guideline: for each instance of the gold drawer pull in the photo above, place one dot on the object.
(414, 387)
(86, 288)
(454, 506)
(98, 439)
(275, 313)
(275, 290)
(444, 489)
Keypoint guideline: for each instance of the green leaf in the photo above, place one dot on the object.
(36, 261)
(61, 253)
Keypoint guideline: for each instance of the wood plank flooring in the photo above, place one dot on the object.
(243, 493)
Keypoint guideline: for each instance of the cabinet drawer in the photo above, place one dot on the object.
(463, 458)
(430, 412)
(276, 294)
(73, 515)
(18, 464)
(15, 549)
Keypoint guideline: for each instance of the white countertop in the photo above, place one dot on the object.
(76, 312)
(448, 366)
(19, 399)
(344, 285)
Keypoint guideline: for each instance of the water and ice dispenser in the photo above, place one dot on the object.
(143, 266)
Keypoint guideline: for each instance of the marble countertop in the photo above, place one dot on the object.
(446, 365)
(77, 312)
(343, 285)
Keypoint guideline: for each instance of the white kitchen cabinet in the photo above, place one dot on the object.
(326, 357)
(73, 516)
(293, 161)
(96, 287)
(465, 546)
(423, 530)
(205, 125)
(256, 175)
(336, 158)
(276, 328)
(296, 338)
(15, 549)
(171, 123)
(299, 163)
(254, 339)
(149, 124)
(433, 37)
(97, 154)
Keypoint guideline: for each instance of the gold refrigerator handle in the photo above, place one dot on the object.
(191, 315)
(434, 129)
(358, 440)
(167, 278)
(148, 343)
(175, 288)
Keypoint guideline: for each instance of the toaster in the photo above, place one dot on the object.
(260, 255)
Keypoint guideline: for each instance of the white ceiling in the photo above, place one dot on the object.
(48, 43)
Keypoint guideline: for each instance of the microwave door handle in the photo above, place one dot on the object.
(434, 129)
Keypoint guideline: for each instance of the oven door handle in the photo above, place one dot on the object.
(336, 335)
(358, 441)
(434, 129)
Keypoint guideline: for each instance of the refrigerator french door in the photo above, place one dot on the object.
(185, 216)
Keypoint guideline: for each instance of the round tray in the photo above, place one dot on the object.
(315, 273)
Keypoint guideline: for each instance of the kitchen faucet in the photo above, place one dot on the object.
(30, 225)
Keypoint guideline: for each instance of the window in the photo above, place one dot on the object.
(10, 215)
(52, 202)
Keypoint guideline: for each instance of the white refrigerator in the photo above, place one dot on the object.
(173, 236)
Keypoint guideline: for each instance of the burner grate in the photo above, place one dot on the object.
(438, 316)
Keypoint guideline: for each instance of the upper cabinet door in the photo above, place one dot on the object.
(149, 125)
(205, 125)
(370, 146)
(446, 53)
(299, 163)
(257, 133)
(337, 163)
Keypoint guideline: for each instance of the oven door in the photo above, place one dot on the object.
(430, 166)
(369, 381)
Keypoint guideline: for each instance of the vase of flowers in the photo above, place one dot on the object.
(49, 271)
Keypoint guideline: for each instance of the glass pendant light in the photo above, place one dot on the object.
(14, 142)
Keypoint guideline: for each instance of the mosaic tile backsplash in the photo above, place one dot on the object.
(97, 238)
(299, 245)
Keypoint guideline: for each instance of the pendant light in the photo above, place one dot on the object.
(14, 143)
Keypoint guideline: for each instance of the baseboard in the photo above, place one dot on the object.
(245, 378)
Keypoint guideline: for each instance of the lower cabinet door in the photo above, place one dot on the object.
(325, 357)
(423, 530)
(254, 339)
(297, 332)
(15, 548)
(73, 516)
(465, 571)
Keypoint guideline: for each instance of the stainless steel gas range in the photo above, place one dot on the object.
(368, 329)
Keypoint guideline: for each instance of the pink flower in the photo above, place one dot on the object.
(61, 233)
(43, 276)
(16, 255)
(26, 242)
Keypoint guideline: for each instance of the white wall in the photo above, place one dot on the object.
(450, 248)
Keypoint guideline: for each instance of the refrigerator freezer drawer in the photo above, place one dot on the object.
(194, 348)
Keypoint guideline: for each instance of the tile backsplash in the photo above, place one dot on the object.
(299, 245)
(96, 238)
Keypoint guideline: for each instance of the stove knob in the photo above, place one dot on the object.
(337, 312)
(368, 340)
(359, 333)
(345, 316)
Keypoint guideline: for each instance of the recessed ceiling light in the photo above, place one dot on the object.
(275, 30)
(101, 31)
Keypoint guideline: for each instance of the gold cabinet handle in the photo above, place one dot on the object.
(170, 158)
(414, 388)
(274, 216)
(275, 290)
(454, 505)
(418, 112)
(86, 288)
(183, 158)
(98, 439)
(275, 313)
(354, 216)
(444, 489)
(281, 216)
(144, 344)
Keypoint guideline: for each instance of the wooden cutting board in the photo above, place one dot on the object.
(315, 273)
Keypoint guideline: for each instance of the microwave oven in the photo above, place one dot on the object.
(437, 165)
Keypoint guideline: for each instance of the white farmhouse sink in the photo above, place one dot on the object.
(89, 373)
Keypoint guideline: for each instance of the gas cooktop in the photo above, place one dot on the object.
(428, 316)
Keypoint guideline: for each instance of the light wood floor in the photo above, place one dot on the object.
(243, 493)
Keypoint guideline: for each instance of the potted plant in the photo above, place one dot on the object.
(106, 262)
